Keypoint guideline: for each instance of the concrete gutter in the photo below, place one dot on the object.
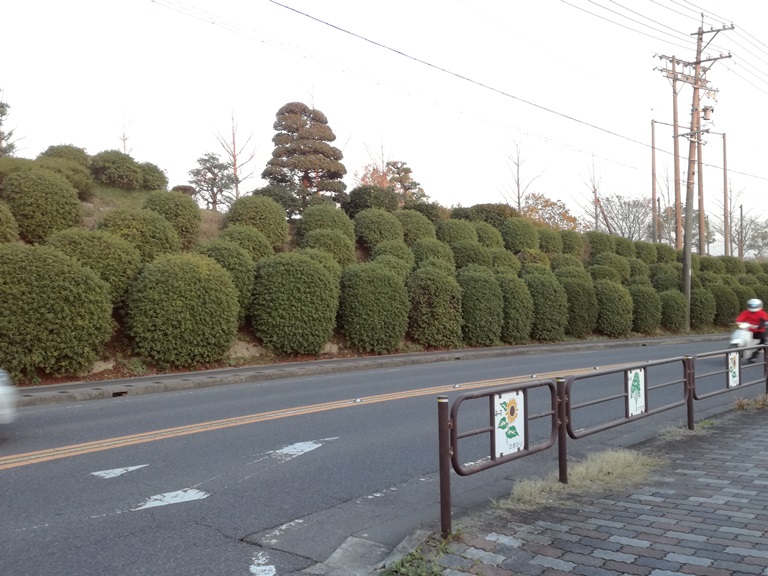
(82, 391)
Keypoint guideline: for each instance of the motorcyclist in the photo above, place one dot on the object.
(758, 319)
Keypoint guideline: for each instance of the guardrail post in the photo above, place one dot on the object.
(690, 386)
(444, 443)
(562, 433)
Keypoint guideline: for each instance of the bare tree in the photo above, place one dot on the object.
(596, 210)
(237, 155)
(520, 188)
(627, 217)
(741, 226)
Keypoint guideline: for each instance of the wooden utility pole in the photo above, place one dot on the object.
(702, 223)
(726, 217)
(655, 232)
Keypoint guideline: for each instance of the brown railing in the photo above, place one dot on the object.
(508, 408)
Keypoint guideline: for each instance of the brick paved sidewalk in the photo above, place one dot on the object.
(704, 513)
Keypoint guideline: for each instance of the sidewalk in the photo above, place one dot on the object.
(705, 512)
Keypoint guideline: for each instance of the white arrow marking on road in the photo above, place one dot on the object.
(185, 495)
(259, 566)
(294, 450)
(117, 471)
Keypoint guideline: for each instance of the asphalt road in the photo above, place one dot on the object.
(315, 473)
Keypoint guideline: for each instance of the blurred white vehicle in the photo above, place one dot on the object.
(9, 397)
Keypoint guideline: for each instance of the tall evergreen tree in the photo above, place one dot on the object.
(303, 157)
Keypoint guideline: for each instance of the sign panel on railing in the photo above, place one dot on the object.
(733, 369)
(509, 418)
(636, 391)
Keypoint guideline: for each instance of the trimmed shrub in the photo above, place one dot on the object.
(152, 177)
(598, 242)
(235, 260)
(180, 210)
(625, 247)
(487, 235)
(493, 214)
(638, 267)
(703, 308)
(114, 259)
(744, 293)
(573, 243)
(529, 269)
(373, 308)
(695, 261)
(396, 248)
(325, 259)
(432, 210)
(374, 225)
(264, 214)
(639, 281)
(618, 263)
(434, 319)
(646, 309)
(752, 267)
(335, 242)
(531, 256)
(415, 226)
(504, 259)
(482, 306)
(728, 280)
(466, 252)
(763, 265)
(452, 231)
(518, 308)
(726, 304)
(747, 280)
(41, 202)
(324, 217)
(711, 264)
(55, 314)
(582, 306)
(573, 272)
(565, 260)
(283, 195)
(665, 254)
(9, 229)
(673, 310)
(75, 174)
(646, 252)
(394, 264)
(182, 311)
(665, 277)
(365, 197)
(614, 309)
(519, 234)
(550, 241)
(294, 304)
(761, 292)
(427, 248)
(732, 265)
(113, 168)
(67, 152)
(709, 278)
(249, 239)
(149, 232)
(550, 307)
(601, 272)
(762, 279)
(441, 265)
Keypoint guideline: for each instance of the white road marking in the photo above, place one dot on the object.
(294, 450)
(185, 495)
(260, 566)
(272, 538)
(117, 471)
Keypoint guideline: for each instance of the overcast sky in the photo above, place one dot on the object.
(448, 87)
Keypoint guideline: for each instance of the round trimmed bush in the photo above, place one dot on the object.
(434, 319)
(665, 254)
(747, 280)
(726, 304)
(153, 177)
(249, 239)
(114, 259)
(625, 247)
(76, 174)
(639, 281)
(235, 260)
(531, 256)
(427, 248)
(711, 264)
(396, 265)
(67, 152)
(550, 307)
(564, 260)
(728, 280)
(284, 195)
(646, 251)
(374, 225)
(365, 197)
(432, 210)
(325, 259)
(614, 309)
(441, 265)
(665, 277)
(618, 263)
(646, 309)
(396, 248)
(601, 272)
(703, 308)
(504, 259)
(529, 269)
(762, 279)
(519, 234)
(180, 210)
(732, 265)
(761, 292)
(42, 202)
(415, 226)
(116, 169)
(55, 314)
(638, 267)
(335, 242)
(599, 242)
(752, 267)
(493, 214)
(324, 217)
(466, 252)
(487, 235)
(673, 310)
(550, 241)
(482, 306)
(9, 229)
(518, 308)
(573, 272)
(9, 165)
(149, 232)
(294, 304)
(264, 214)
(182, 311)
(373, 308)
(709, 278)
(582, 306)
(744, 293)
(573, 243)
(451, 231)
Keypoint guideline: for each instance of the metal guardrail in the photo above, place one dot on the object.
(509, 420)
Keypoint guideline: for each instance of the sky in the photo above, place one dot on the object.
(452, 88)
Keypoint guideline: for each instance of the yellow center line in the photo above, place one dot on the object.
(25, 459)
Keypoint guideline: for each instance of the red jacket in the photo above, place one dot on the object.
(755, 318)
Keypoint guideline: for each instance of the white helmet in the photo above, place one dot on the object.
(754, 304)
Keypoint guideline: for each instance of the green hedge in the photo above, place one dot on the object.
(180, 210)
(416, 226)
(325, 259)
(573, 272)
(673, 310)
(747, 280)
(726, 304)
(373, 308)
(394, 264)
(504, 259)
(703, 308)
(396, 248)
(116, 169)
(599, 242)
(744, 293)
(564, 260)
(55, 314)
(519, 234)
(518, 308)
(529, 269)
(665, 277)
(264, 214)
(482, 306)
(665, 254)
(149, 232)
(625, 247)
(532, 256)
(711, 264)
(614, 309)
(9, 229)
(434, 319)
(235, 260)
(323, 217)
(582, 306)
(374, 225)
(67, 152)
(75, 173)
(619, 263)
(646, 309)
(638, 267)
(550, 307)
(427, 248)
(335, 242)
(752, 267)
(487, 235)
(573, 243)
(466, 252)
(294, 304)
(441, 265)
(249, 239)
(732, 265)
(152, 177)
(365, 197)
(646, 252)
(550, 241)
(451, 231)
(600, 272)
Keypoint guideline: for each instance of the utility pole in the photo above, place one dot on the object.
(655, 232)
(726, 217)
(702, 228)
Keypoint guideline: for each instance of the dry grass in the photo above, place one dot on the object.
(603, 471)
(759, 403)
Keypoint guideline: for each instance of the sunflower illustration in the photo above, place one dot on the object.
(507, 420)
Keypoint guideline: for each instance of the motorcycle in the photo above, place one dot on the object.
(742, 338)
